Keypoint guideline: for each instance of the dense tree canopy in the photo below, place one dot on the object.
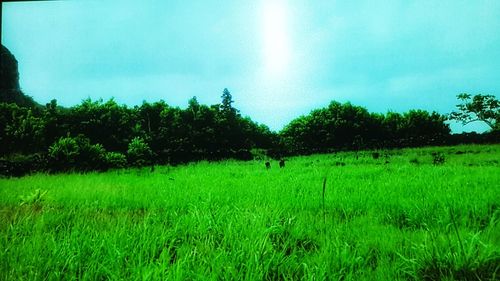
(96, 135)
(170, 134)
(104, 134)
(345, 126)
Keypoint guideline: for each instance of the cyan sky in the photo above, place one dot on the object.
(280, 59)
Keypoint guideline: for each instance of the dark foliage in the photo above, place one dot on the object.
(19, 165)
(10, 92)
(98, 135)
(485, 108)
(78, 153)
(437, 158)
(345, 126)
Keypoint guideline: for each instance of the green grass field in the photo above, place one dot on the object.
(404, 220)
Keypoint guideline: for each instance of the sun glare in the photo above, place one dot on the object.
(276, 41)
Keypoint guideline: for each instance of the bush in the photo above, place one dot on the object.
(116, 160)
(92, 156)
(19, 165)
(437, 158)
(78, 153)
(139, 153)
(63, 154)
(414, 161)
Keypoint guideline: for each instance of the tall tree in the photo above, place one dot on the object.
(485, 108)
(227, 100)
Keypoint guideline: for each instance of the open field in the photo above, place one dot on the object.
(407, 219)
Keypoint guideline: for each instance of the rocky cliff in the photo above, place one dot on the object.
(9, 74)
(10, 90)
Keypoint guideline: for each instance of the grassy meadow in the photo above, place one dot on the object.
(398, 217)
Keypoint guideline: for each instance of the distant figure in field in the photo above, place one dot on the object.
(282, 163)
(268, 165)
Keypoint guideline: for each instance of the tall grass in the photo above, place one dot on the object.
(402, 220)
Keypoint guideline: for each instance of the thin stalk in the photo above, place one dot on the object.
(324, 190)
(453, 222)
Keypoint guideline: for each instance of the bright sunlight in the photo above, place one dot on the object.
(276, 39)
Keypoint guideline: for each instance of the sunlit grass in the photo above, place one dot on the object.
(401, 220)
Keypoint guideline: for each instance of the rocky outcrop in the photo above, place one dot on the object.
(9, 74)
(10, 91)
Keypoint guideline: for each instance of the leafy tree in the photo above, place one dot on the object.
(485, 108)
(345, 126)
(338, 126)
(139, 153)
(56, 122)
(202, 124)
(174, 133)
(7, 113)
(23, 130)
(149, 123)
(295, 135)
(193, 107)
(420, 127)
(107, 123)
(392, 127)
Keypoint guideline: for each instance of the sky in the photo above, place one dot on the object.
(280, 59)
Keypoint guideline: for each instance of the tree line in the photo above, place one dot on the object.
(98, 135)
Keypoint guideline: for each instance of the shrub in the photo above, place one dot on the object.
(92, 156)
(19, 165)
(437, 158)
(414, 161)
(63, 154)
(139, 153)
(78, 153)
(116, 160)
